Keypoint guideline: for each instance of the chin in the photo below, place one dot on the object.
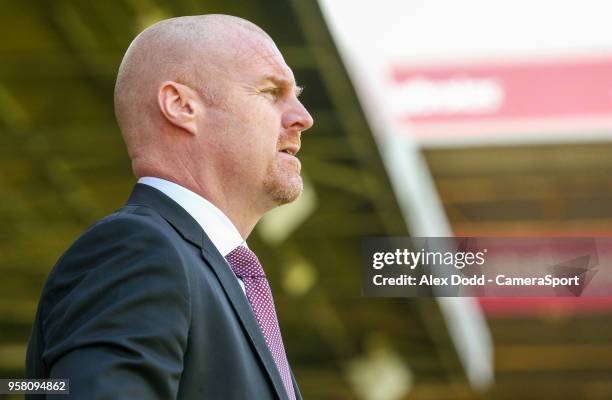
(284, 190)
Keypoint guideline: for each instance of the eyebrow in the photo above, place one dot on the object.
(284, 83)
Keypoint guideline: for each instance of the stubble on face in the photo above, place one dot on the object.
(283, 183)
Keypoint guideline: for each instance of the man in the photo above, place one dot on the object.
(163, 299)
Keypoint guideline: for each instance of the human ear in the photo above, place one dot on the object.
(179, 104)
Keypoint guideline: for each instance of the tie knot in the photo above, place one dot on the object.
(244, 263)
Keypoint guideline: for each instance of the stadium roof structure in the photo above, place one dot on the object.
(64, 165)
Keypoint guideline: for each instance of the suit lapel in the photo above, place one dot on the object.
(190, 230)
(298, 395)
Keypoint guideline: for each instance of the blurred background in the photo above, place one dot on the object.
(474, 118)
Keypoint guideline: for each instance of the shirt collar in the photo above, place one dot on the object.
(215, 223)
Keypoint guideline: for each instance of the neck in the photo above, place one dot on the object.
(239, 210)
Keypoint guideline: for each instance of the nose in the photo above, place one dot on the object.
(297, 117)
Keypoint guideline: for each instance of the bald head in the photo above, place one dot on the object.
(208, 102)
(190, 50)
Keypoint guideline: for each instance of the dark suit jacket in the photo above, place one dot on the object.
(143, 306)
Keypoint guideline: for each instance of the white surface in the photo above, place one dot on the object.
(368, 35)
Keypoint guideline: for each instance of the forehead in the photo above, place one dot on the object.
(257, 57)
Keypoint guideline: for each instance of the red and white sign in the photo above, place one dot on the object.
(516, 98)
(479, 71)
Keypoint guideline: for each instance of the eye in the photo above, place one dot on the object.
(274, 92)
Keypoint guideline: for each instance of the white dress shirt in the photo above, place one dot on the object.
(217, 225)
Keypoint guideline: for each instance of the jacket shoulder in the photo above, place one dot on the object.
(133, 239)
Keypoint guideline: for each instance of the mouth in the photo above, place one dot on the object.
(292, 150)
